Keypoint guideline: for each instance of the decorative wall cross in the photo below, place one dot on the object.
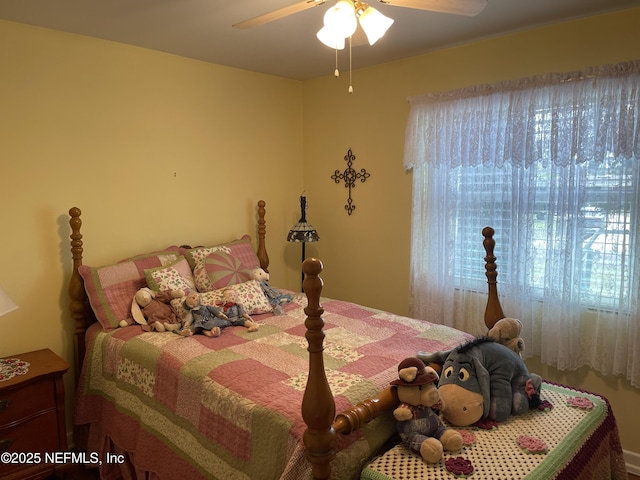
(350, 176)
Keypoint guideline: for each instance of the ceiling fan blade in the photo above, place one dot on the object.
(457, 7)
(280, 13)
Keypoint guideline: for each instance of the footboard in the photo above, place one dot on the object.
(318, 405)
(493, 311)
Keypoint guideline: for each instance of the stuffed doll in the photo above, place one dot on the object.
(418, 423)
(507, 332)
(152, 310)
(205, 319)
(235, 312)
(276, 297)
(482, 379)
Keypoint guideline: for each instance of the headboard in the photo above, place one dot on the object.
(79, 306)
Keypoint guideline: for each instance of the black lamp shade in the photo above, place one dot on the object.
(303, 231)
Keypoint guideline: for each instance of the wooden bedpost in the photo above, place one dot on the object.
(262, 230)
(318, 405)
(77, 296)
(493, 311)
(357, 416)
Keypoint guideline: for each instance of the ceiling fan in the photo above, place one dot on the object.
(456, 7)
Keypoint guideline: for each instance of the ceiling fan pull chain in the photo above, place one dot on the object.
(336, 72)
(350, 68)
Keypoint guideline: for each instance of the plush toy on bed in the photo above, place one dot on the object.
(275, 296)
(482, 379)
(507, 332)
(418, 423)
(205, 319)
(152, 310)
(235, 312)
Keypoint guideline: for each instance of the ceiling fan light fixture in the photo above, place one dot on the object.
(341, 18)
(374, 24)
(341, 21)
(330, 38)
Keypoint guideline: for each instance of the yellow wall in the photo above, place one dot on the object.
(366, 255)
(155, 149)
(148, 142)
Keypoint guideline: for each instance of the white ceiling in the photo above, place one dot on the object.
(202, 29)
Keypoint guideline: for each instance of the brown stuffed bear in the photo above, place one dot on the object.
(507, 332)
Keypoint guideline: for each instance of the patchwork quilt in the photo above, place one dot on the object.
(229, 407)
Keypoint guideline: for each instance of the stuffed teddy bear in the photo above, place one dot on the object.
(507, 332)
(234, 311)
(276, 297)
(152, 310)
(205, 319)
(482, 379)
(418, 424)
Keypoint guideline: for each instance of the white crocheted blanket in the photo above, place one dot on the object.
(540, 444)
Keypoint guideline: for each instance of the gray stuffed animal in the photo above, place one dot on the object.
(483, 379)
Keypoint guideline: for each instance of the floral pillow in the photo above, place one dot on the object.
(111, 288)
(175, 276)
(249, 295)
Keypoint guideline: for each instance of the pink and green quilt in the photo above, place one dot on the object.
(229, 407)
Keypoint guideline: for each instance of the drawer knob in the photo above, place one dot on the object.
(4, 404)
(5, 443)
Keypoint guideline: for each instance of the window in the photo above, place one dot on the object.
(552, 163)
(600, 224)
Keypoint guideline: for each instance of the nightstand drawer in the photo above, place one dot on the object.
(32, 416)
(19, 403)
(37, 435)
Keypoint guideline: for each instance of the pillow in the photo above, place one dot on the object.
(219, 270)
(111, 288)
(175, 276)
(240, 249)
(174, 250)
(249, 295)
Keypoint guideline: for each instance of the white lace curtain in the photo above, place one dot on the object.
(552, 163)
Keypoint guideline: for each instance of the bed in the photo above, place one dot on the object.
(262, 405)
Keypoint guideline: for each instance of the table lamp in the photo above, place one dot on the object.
(6, 304)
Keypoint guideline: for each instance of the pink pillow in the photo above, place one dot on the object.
(222, 265)
(219, 270)
(111, 288)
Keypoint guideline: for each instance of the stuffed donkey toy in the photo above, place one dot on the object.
(483, 379)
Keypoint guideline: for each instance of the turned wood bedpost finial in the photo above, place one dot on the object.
(493, 311)
(357, 416)
(77, 296)
(318, 405)
(262, 231)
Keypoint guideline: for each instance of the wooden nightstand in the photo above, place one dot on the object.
(32, 419)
